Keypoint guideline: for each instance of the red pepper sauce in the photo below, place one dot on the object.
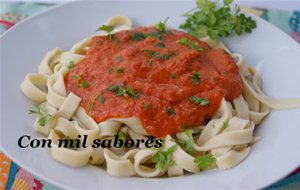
(160, 72)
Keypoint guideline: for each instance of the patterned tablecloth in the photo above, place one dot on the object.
(14, 177)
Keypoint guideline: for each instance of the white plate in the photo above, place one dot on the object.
(276, 56)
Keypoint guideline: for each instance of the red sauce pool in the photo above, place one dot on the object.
(159, 71)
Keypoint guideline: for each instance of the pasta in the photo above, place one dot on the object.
(227, 136)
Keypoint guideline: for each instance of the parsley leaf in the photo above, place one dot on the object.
(187, 145)
(122, 91)
(108, 29)
(71, 65)
(80, 81)
(205, 161)
(200, 101)
(122, 137)
(70, 143)
(138, 36)
(155, 35)
(44, 116)
(101, 99)
(192, 45)
(160, 44)
(161, 26)
(120, 70)
(119, 58)
(195, 78)
(173, 76)
(147, 106)
(225, 125)
(171, 111)
(164, 159)
(208, 19)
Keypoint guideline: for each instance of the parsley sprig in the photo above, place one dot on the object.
(161, 26)
(82, 83)
(187, 145)
(108, 29)
(44, 116)
(207, 19)
(200, 101)
(122, 91)
(195, 78)
(192, 45)
(205, 161)
(164, 159)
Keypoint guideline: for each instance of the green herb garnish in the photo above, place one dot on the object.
(122, 137)
(147, 106)
(44, 116)
(195, 78)
(173, 76)
(70, 142)
(161, 26)
(120, 70)
(164, 159)
(101, 99)
(207, 19)
(200, 101)
(138, 36)
(160, 44)
(183, 41)
(192, 45)
(188, 144)
(206, 161)
(171, 111)
(119, 58)
(71, 65)
(155, 35)
(108, 29)
(80, 81)
(83, 84)
(122, 91)
(225, 125)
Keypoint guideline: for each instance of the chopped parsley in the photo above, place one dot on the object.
(200, 101)
(161, 26)
(205, 161)
(122, 137)
(164, 159)
(101, 99)
(225, 125)
(154, 54)
(108, 29)
(122, 91)
(160, 44)
(192, 45)
(119, 58)
(69, 143)
(183, 41)
(188, 144)
(155, 35)
(173, 76)
(195, 78)
(138, 36)
(44, 116)
(83, 84)
(80, 81)
(110, 69)
(170, 111)
(209, 19)
(120, 70)
(71, 65)
(147, 106)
